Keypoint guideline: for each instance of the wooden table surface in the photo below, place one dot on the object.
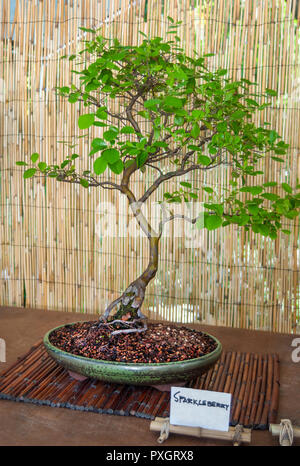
(26, 424)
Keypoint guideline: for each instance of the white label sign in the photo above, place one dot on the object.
(200, 408)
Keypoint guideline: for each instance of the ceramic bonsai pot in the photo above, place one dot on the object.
(133, 373)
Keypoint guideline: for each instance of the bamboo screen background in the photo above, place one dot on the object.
(53, 252)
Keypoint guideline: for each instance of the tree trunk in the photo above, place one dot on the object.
(132, 298)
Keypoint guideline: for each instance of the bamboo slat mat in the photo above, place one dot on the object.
(252, 379)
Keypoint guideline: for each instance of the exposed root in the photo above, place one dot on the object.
(131, 330)
(128, 311)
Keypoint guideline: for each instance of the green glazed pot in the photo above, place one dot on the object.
(133, 373)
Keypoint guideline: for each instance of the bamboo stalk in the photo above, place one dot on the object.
(272, 415)
(152, 404)
(92, 401)
(241, 394)
(160, 404)
(43, 388)
(251, 394)
(62, 382)
(15, 379)
(31, 380)
(112, 401)
(239, 414)
(164, 410)
(126, 392)
(215, 385)
(262, 393)
(20, 363)
(223, 377)
(145, 403)
(247, 394)
(245, 436)
(135, 406)
(237, 387)
(105, 394)
(267, 402)
(257, 387)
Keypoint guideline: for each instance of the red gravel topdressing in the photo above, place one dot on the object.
(159, 343)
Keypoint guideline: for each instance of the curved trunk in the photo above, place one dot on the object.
(132, 298)
(130, 302)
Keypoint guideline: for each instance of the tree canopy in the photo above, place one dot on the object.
(175, 116)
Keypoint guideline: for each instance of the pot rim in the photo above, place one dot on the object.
(205, 357)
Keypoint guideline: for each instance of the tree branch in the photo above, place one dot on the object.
(173, 217)
(168, 176)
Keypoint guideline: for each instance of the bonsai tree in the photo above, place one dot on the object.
(195, 120)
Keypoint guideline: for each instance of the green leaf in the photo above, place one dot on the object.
(218, 208)
(152, 103)
(98, 143)
(185, 184)
(195, 131)
(100, 124)
(273, 135)
(237, 115)
(203, 160)
(84, 183)
(116, 167)
(270, 184)
(34, 157)
(178, 120)
(110, 135)
(65, 163)
(101, 114)
(127, 130)
(208, 189)
(270, 196)
(100, 165)
(21, 164)
(198, 114)
(254, 190)
(287, 188)
(42, 166)
(64, 89)
(253, 209)
(29, 173)
(174, 102)
(291, 214)
(280, 151)
(141, 159)
(111, 155)
(277, 159)
(273, 234)
(252, 102)
(85, 121)
(211, 222)
(73, 97)
(260, 228)
(271, 92)
(222, 127)
(87, 30)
